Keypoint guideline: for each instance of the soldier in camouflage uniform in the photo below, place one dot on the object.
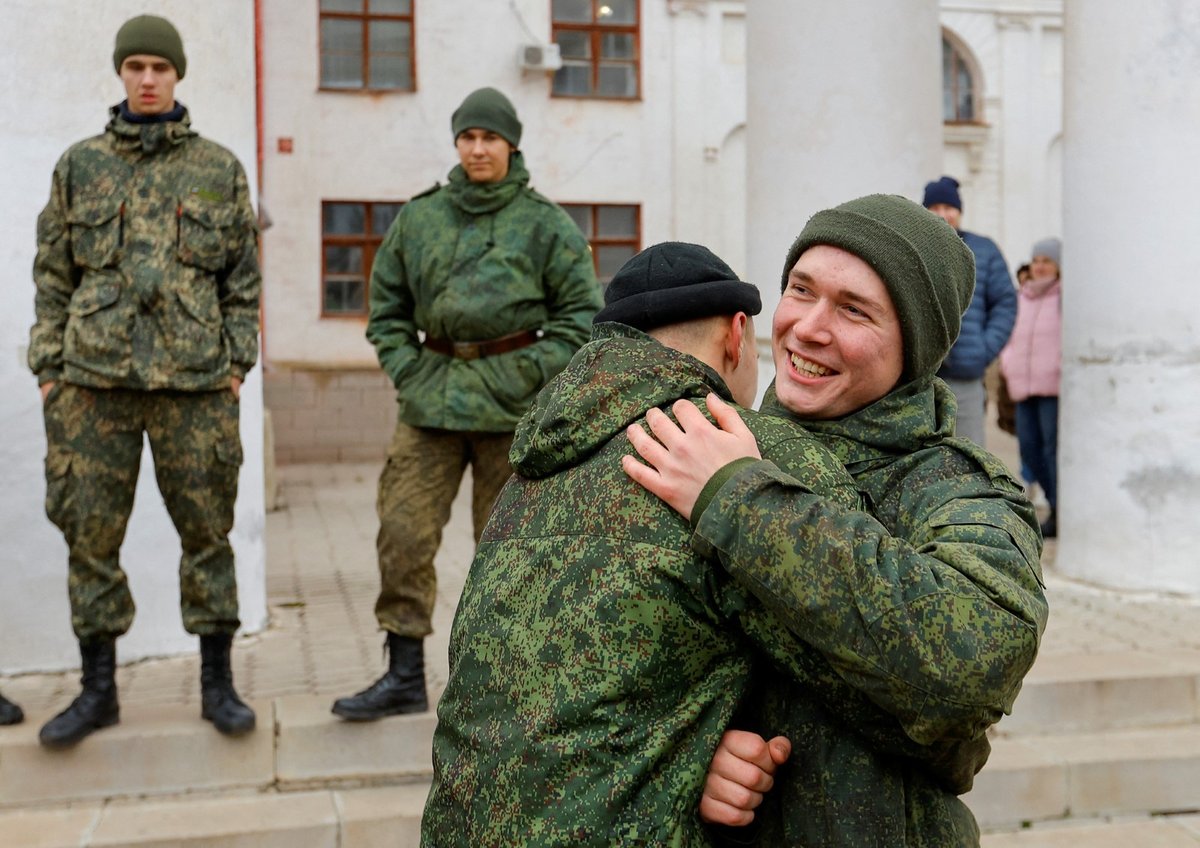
(931, 603)
(595, 660)
(147, 322)
(480, 293)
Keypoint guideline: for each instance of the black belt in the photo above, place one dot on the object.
(478, 350)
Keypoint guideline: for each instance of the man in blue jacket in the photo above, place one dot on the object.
(988, 321)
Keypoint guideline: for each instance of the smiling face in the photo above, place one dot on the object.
(484, 155)
(836, 337)
(149, 84)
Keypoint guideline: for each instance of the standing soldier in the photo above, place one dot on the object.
(500, 282)
(147, 322)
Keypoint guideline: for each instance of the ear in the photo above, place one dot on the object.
(735, 339)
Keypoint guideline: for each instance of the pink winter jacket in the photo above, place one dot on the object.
(1031, 362)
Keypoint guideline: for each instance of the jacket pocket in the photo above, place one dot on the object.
(98, 328)
(96, 232)
(202, 234)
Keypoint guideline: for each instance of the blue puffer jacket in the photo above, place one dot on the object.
(988, 321)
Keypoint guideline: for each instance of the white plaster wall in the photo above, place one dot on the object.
(359, 146)
(843, 99)
(57, 58)
(1129, 443)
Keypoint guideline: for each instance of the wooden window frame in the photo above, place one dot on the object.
(596, 240)
(368, 241)
(596, 31)
(367, 17)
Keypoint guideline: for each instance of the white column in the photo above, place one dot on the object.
(1129, 431)
(843, 99)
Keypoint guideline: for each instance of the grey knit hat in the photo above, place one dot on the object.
(487, 109)
(1051, 248)
(672, 282)
(153, 36)
(928, 270)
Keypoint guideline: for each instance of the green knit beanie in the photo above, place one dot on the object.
(153, 36)
(487, 109)
(928, 270)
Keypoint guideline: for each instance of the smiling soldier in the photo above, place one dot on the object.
(147, 321)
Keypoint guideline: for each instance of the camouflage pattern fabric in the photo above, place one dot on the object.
(147, 265)
(595, 660)
(422, 474)
(471, 262)
(95, 449)
(932, 606)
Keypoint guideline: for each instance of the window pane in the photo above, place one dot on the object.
(354, 298)
(617, 222)
(617, 12)
(343, 260)
(391, 7)
(617, 80)
(387, 70)
(582, 216)
(341, 5)
(966, 106)
(342, 219)
(573, 79)
(382, 215)
(334, 296)
(610, 258)
(341, 54)
(617, 46)
(388, 36)
(574, 11)
(574, 45)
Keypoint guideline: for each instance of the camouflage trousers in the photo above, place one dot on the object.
(94, 440)
(416, 489)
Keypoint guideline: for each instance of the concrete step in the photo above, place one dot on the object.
(160, 751)
(1067, 693)
(358, 818)
(1087, 775)
(1159, 832)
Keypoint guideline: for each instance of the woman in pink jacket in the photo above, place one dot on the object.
(1032, 364)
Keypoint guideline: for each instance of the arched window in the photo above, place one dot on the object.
(959, 94)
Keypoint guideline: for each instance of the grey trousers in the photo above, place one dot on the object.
(971, 397)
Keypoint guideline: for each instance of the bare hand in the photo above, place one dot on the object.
(236, 385)
(687, 455)
(741, 773)
(46, 388)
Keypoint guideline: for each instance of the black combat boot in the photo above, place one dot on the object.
(400, 690)
(1050, 525)
(219, 701)
(10, 713)
(96, 706)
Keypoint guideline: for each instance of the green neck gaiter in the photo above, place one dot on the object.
(482, 198)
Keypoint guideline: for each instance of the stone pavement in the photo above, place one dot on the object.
(322, 642)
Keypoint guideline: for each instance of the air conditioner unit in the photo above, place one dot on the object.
(539, 57)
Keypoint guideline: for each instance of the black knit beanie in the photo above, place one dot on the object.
(942, 190)
(487, 109)
(672, 282)
(928, 270)
(153, 36)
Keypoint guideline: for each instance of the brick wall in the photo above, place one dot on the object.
(330, 416)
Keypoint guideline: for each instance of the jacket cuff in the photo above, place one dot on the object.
(49, 375)
(714, 485)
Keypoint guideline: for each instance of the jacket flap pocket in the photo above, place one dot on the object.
(206, 213)
(94, 298)
(94, 213)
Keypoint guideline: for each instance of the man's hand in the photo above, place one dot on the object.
(46, 388)
(684, 457)
(236, 386)
(741, 772)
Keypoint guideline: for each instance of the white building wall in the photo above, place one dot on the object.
(60, 82)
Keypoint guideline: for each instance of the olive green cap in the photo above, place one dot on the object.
(153, 36)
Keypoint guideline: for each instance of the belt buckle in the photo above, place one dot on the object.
(467, 350)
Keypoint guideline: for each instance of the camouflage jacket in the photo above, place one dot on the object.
(595, 660)
(147, 264)
(471, 262)
(932, 606)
